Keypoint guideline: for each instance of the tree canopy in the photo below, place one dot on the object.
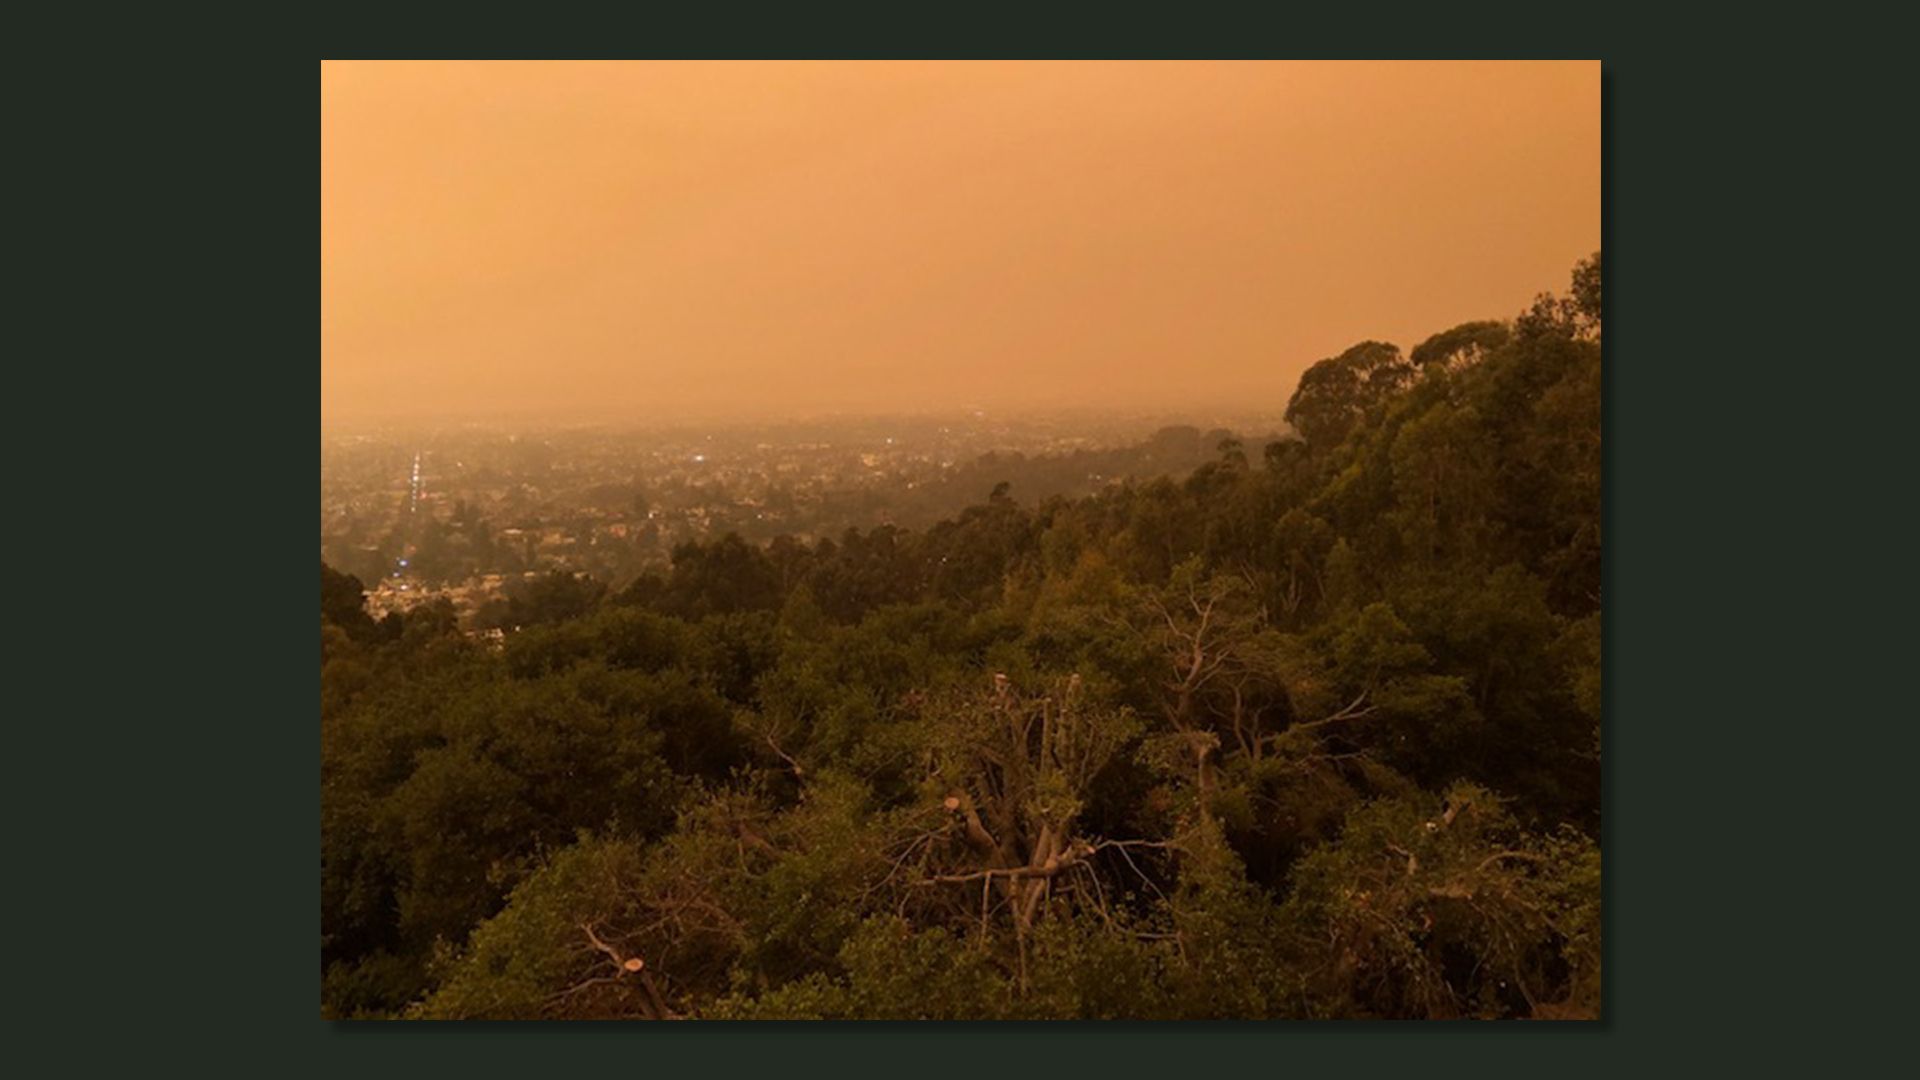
(1310, 732)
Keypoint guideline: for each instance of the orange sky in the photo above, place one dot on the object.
(676, 240)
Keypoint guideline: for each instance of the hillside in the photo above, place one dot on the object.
(1312, 731)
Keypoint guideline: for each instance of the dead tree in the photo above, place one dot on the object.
(623, 968)
(1013, 773)
(1201, 628)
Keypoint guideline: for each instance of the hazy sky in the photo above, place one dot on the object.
(662, 240)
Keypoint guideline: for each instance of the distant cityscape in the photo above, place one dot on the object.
(466, 513)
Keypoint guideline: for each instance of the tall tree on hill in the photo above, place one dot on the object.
(1336, 393)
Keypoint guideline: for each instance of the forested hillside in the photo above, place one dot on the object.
(1313, 732)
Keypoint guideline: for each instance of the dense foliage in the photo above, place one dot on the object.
(1309, 735)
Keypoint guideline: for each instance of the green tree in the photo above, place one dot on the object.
(1336, 393)
(1440, 907)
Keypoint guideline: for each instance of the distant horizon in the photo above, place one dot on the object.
(615, 418)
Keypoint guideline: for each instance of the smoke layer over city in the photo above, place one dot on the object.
(658, 242)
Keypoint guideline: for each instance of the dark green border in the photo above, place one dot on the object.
(180, 925)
